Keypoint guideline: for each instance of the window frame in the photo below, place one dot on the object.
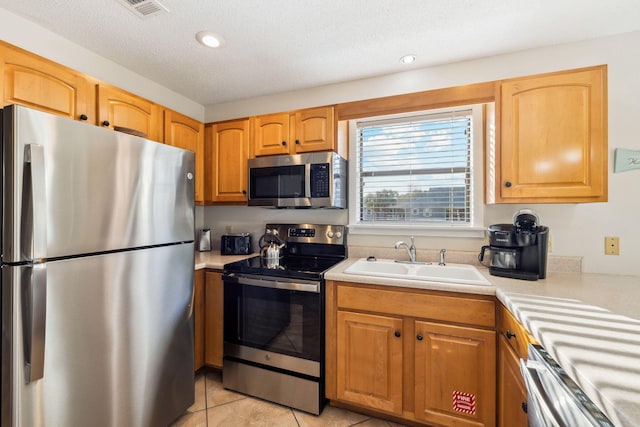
(476, 228)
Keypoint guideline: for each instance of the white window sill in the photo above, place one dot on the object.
(417, 230)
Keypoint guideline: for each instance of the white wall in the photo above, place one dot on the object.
(576, 229)
(29, 36)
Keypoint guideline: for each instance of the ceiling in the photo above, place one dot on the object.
(275, 46)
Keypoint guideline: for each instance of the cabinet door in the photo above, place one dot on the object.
(186, 133)
(369, 360)
(213, 319)
(315, 130)
(226, 147)
(271, 134)
(35, 82)
(118, 108)
(455, 375)
(553, 138)
(198, 319)
(512, 392)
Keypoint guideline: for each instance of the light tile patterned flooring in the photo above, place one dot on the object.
(216, 407)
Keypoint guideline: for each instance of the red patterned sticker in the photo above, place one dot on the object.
(464, 402)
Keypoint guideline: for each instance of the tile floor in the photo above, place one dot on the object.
(214, 406)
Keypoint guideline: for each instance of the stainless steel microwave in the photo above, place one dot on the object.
(313, 180)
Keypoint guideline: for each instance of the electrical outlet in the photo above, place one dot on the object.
(612, 246)
(550, 244)
(228, 229)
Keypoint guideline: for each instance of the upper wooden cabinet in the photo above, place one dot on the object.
(186, 133)
(551, 140)
(303, 131)
(272, 135)
(119, 108)
(33, 81)
(226, 155)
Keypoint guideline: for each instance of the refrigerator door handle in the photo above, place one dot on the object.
(34, 314)
(34, 158)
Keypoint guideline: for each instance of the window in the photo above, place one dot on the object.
(420, 170)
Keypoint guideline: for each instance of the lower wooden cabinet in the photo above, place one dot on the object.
(198, 319)
(454, 375)
(213, 319)
(370, 360)
(512, 393)
(412, 354)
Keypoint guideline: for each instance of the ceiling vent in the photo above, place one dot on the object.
(144, 8)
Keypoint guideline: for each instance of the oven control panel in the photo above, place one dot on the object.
(302, 232)
(309, 233)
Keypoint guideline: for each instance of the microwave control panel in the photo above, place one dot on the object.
(320, 180)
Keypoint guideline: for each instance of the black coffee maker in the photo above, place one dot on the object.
(518, 250)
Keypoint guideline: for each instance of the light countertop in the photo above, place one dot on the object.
(589, 323)
(216, 261)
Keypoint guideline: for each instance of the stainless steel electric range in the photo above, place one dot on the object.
(274, 315)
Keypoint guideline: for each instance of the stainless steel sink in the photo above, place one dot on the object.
(463, 274)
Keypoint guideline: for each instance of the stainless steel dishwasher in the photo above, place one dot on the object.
(555, 400)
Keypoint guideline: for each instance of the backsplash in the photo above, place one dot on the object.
(555, 264)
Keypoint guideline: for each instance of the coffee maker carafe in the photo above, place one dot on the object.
(518, 250)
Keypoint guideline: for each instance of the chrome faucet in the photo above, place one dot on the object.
(411, 250)
(442, 252)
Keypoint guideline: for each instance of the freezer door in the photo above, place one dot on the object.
(118, 348)
(88, 189)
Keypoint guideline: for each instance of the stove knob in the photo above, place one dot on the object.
(338, 234)
(330, 234)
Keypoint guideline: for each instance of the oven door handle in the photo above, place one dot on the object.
(277, 284)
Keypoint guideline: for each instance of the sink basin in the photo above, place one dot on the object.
(462, 274)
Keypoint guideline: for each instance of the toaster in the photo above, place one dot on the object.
(235, 244)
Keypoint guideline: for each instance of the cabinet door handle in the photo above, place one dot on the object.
(83, 117)
(297, 142)
(509, 334)
(419, 337)
(525, 407)
(244, 191)
(284, 142)
(507, 184)
(106, 123)
(397, 334)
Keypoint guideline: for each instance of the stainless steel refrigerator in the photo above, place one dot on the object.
(97, 275)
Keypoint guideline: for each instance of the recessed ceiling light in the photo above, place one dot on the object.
(209, 39)
(408, 59)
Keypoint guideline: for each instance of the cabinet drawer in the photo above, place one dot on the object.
(516, 335)
(423, 305)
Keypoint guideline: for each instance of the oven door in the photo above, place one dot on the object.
(278, 316)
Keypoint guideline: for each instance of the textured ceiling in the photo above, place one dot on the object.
(276, 46)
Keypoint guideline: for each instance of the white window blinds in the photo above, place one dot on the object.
(415, 169)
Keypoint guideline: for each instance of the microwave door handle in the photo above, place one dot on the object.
(307, 180)
(540, 410)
